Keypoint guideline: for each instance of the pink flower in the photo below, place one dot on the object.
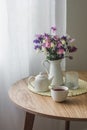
(47, 44)
(60, 51)
(47, 40)
(71, 40)
(56, 37)
(59, 45)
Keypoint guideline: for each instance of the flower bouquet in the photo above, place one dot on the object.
(54, 46)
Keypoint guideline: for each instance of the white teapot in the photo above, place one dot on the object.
(41, 82)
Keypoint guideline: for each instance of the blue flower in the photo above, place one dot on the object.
(36, 41)
(37, 47)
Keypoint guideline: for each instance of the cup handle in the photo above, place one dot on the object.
(44, 65)
(30, 79)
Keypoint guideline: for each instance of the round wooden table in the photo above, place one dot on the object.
(74, 108)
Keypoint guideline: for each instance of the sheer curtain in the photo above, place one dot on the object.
(20, 20)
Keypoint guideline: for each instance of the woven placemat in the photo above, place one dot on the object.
(81, 89)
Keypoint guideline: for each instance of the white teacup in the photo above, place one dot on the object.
(59, 94)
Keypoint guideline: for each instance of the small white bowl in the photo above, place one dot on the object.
(59, 94)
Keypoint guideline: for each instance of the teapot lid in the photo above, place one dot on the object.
(42, 75)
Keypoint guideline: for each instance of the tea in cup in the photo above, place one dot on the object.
(59, 94)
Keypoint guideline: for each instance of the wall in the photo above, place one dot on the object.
(77, 28)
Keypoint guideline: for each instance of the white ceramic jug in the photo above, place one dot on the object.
(54, 71)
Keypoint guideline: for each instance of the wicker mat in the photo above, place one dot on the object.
(81, 89)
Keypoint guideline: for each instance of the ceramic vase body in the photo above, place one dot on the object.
(55, 71)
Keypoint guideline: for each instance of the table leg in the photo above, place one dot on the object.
(29, 120)
(67, 125)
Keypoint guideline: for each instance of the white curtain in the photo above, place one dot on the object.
(20, 20)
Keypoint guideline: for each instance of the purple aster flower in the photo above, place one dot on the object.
(39, 37)
(36, 41)
(72, 49)
(46, 35)
(37, 47)
(64, 37)
(53, 28)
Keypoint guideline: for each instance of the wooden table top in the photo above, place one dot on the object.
(74, 108)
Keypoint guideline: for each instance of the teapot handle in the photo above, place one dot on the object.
(30, 79)
(44, 65)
